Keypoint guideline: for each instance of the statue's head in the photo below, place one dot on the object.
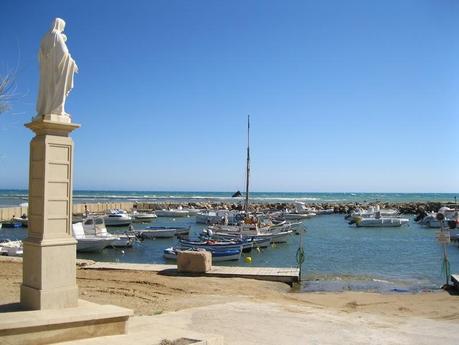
(58, 25)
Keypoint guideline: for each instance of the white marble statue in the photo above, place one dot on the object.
(56, 71)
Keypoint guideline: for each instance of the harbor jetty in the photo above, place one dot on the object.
(413, 207)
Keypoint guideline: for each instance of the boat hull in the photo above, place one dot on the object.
(92, 245)
(150, 234)
(217, 256)
(381, 223)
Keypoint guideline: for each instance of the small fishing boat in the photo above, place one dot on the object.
(11, 248)
(257, 241)
(277, 233)
(217, 255)
(23, 220)
(216, 245)
(161, 232)
(117, 218)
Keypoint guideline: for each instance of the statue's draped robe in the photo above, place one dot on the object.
(56, 72)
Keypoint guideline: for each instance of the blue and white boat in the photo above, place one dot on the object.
(216, 245)
(11, 224)
(217, 255)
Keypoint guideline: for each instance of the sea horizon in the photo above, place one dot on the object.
(14, 197)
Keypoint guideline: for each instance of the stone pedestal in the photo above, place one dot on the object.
(49, 293)
(49, 273)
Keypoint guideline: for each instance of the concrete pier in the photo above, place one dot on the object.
(277, 274)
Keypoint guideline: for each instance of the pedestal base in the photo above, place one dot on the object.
(36, 299)
(51, 326)
(49, 274)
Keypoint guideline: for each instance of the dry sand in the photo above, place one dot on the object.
(357, 316)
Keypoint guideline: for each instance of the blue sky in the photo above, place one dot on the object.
(343, 95)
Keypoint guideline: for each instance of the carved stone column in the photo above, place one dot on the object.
(49, 273)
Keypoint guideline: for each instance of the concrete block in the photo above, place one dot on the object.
(194, 261)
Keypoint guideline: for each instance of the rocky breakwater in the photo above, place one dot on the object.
(341, 208)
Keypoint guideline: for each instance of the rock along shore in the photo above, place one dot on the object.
(342, 208)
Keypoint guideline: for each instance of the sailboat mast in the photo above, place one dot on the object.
(246, 208)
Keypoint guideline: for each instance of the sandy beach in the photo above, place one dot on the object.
(258, 308)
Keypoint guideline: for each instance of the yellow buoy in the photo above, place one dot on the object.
(248, 260)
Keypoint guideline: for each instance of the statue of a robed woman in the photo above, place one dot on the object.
(56, 71)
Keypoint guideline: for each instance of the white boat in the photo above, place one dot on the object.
(117, 218)
(325, 211)
(277, 234)
(11, 248)
(219, 217)
(300, 212)
(193, 211)
(280, 237)
(430, 219)
(95, 226)
(89, 243)
(143, 216)
(161, 232)
(210, 217)
(383, 222)
(454, 235)
(173, 212)
(297, 216)
(373, 212)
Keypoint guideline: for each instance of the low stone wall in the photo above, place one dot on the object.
(7, 213)
(102, 207)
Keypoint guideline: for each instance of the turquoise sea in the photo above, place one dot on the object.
(15, 197)
(337, 256)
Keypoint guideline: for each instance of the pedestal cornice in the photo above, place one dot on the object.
(42, 126)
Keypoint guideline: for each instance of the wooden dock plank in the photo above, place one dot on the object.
(286, 275)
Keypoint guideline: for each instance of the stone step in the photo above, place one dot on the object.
(40, 327)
